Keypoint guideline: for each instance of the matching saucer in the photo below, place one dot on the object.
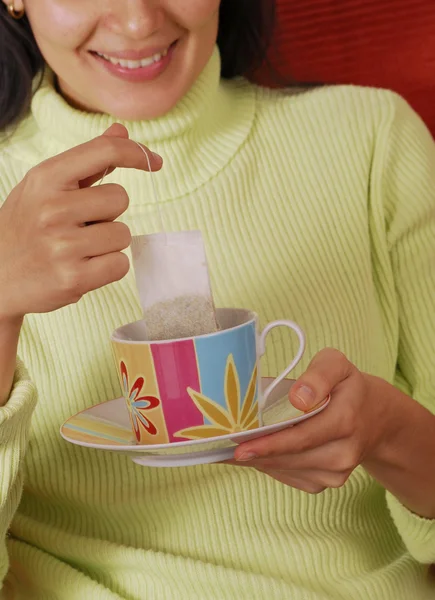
(106, 426)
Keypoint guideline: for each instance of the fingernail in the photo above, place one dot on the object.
(305, 395)
(156, 156)
(245, 456)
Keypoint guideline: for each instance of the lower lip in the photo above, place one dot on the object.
(141, 73)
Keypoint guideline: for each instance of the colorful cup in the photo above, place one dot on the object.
(199, 387)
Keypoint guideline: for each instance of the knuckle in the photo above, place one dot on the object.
(333, 356)
(70, 283)
(339, 356)
(50, 218)
(355, 456)
(59, 250)
(328, 368)
(119, 199)
(37, 176)
(120, 193)
(348, 459)
(338, 480)
(322, 382)
(336, 355)
(120, 266)
(344, 464)
(108, 146)
(124, 235)
(314, 488)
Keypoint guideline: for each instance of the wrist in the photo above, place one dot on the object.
(402, 459)
(393, 413)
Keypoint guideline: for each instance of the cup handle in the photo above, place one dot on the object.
(262, 349)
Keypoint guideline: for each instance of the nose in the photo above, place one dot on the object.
(135, 19)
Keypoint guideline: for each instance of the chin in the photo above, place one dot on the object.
(139, 110)
(138, 114)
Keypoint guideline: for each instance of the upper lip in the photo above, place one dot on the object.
(135, 54)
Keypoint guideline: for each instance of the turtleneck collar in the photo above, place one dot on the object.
(197, 138)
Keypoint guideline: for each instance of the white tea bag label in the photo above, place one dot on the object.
(174, 285)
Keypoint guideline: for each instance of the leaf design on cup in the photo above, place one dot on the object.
(235, 417)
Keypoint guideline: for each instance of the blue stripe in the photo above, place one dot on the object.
(213, 353)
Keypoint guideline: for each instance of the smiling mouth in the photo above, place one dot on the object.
(130, 64)
(134, 64)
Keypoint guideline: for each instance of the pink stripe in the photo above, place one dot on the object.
(176, 369)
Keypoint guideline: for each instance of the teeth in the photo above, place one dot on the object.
(145, 62)
(134, 64)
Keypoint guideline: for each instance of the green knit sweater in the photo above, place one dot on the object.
(316, 206)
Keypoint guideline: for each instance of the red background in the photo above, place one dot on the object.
(382, 43)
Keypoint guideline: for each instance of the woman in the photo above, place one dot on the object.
(316, 206)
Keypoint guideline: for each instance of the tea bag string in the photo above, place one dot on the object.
(153, 183)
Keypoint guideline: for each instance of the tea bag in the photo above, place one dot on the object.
(174, 285)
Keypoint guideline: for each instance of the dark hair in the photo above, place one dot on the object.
(245, 31)
(20, 62)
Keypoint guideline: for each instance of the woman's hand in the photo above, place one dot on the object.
(322, 452)
(369, 422)
(58, 236)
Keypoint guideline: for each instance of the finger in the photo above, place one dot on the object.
(326, 371)
(103, 270)
(305, 461)
(103, 203)
(335, 456)
(115, 130)
(70, 169)
(103, 238)
(316, 432)
(299, 483)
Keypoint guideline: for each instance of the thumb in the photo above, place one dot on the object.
(302, 397)
(326, 371)
(117, 130)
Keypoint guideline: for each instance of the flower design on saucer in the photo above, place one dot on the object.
(138, 405)
(236, 417)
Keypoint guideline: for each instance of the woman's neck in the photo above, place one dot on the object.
(197, 138)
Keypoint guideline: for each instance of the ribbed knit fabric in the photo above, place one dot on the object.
(388, 43)
(317, 207)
